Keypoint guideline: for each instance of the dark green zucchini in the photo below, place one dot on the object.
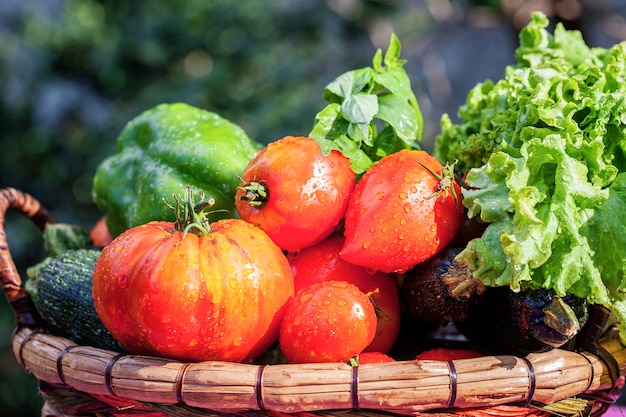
(60, 287)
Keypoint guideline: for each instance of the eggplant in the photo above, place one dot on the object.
(440, 290)
(523, 322)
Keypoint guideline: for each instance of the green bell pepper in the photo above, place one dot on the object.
(160, 152)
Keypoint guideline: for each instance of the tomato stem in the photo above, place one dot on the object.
(446, 181)
(191, 216)
(255, 193)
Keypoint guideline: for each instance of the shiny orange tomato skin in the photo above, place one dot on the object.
(396, 218)
(307, 192)
(220, 296)
(321, 262)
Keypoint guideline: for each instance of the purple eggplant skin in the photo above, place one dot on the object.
(440, 290)
(523, 322)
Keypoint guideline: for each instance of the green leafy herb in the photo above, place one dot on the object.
(372, 112)
(544, 150)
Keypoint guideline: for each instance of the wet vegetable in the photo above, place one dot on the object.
(329, 321)
(193, 290)
(61, 288)
(545, 157)
(372, 111)
(404, 210)
(162, 150)
(294, 193)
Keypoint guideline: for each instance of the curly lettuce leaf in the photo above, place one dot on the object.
(544, 152)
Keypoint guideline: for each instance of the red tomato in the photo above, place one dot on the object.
(403, 211)
(446, 354)
(374, 357)
(220, 296)
(329, 321)
(321, 262)
(294, 193)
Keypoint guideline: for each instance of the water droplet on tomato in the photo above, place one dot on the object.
(403, 195)
(122, 282)
(407, 207)
(379, 195)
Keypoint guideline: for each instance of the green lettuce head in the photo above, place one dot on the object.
(544, 153)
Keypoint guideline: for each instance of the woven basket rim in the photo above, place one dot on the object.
(419, 385)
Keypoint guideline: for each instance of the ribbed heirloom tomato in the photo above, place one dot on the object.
(215, 296)
(294, 193)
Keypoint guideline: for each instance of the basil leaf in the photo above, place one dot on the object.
(372, 101)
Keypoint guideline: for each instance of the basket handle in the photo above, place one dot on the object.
(26, 313)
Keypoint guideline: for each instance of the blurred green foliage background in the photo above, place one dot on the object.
(73, 72)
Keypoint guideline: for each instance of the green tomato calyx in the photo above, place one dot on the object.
(191, 216)
(446, 181)
(255, 193)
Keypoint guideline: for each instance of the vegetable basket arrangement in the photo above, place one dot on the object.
(348, 272)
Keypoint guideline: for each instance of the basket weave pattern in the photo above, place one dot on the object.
(88, 381)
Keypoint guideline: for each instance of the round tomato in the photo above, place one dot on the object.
(404, 210)
(321, 262)
(329, 321)
(219, 296)
(294, 193)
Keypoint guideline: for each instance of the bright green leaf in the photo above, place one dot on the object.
(360, 108)
(347, 84)
(400, 116)
(392, 56)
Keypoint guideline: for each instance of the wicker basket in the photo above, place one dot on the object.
(83, 380)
